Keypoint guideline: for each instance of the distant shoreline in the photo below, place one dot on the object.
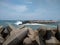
(40, 21)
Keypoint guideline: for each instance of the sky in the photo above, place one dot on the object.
(29, 9)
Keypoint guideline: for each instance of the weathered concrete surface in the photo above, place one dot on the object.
(5, 32)
(31, 34)
(15, 36)
(47, 28)
(57, 35)
(21, 26)
(52, 41)
(27, 41)
(58, 27)
(34, 36)
(11, 27)
(1, 29)
(1, 39)
(43, 30)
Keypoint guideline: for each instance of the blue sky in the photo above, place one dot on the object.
(29, 9)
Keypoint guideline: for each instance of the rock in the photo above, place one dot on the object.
(57, 35)
(47, 28)
(1, 39)
(52, 41)
(16, 36)
(5, 32)
(42, 28)
(31, 34)
(1, 29)
(21, 26)
(48, 35)
(58, 27)
(27, 41)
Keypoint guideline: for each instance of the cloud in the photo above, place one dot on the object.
(19, 11)
(28, 1)
(51, 1)
(18, 8)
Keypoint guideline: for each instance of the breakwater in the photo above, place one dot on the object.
(23, 35)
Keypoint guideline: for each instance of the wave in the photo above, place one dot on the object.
(18, 22)
(40, 24)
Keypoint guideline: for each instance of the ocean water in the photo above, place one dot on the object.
(6, 22)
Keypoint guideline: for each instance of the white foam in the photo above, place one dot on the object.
(18, 22)
(39, 24)
(33, 24)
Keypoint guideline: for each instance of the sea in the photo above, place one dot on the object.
(33, 26)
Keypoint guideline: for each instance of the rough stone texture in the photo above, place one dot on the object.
(21, 26)
(1, 29)
(27, 41)
(52, 41)
(57, 35)
(31, 34)
(43, 29)
(47, 28)
(5, 32)
(1, 39)
(16, 36)
(58, 27)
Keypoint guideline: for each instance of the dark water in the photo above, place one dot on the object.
(6, 22)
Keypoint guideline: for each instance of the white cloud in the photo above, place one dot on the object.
(18, 8)
(29, 2)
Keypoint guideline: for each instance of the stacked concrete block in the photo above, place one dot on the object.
(1, 39)
(27, 41)
(21, 26)
(1, 29)
(31, 34)
(52, 41)
(16, 36)
(57, 35)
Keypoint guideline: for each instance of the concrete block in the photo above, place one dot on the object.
(16, 37)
